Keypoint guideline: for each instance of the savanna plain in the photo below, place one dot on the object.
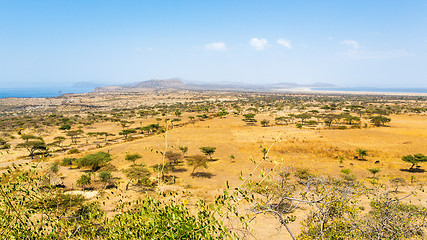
(177, 164)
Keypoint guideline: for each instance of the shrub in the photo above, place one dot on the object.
(54, 167)
(170, 220)
(138, 173)
(73, 151)
(5, 146)
(132, 157)
(173, 157)
(208, 151)
(84, 180)
(67, 161)
(303, 174)
(95, 161)
(197, 161)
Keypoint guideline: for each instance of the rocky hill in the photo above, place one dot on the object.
(177, 84)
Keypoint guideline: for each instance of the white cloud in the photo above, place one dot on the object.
(258, 44)
(350, 43)
(285, 43)
(216, 46)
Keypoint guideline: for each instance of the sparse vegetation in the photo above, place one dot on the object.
(95, 160)
(197, 161)
(132, 157)
(208, 151)
(309, 178)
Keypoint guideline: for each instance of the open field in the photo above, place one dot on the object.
(214, 119)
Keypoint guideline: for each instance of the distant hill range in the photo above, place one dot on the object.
(177, 84)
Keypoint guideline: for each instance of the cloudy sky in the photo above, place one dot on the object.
(347, 43)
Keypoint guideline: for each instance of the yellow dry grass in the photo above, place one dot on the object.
(317, 150)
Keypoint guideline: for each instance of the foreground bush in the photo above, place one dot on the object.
(28, 211)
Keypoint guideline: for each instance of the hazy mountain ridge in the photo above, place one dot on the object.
(230, 86)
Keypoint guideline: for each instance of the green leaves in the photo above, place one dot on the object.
(95, 160)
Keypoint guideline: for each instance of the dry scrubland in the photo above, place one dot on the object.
(295, 142)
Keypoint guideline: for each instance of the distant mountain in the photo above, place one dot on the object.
(224, 86)
(157, 83)
(321, 85)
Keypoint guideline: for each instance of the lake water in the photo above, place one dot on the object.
(40, 92)
(372, 89)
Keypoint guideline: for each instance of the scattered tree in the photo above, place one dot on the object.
(208, 151)
(95, 160)
(197, 161)
(380, 120)
(84, 180)
(132, 157)
(173, 157)
(362, 153)
(249, 118)
(33, 147)
(138, 173)
(74, 135)
(374, 171)
(65, 127)
(127, 132)
(414, 160)
(265, 123)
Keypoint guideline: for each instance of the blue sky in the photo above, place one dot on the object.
(347, 43)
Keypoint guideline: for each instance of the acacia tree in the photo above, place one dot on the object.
(95, 160)
(265, 123)
(74, 135)
(362, 153)
(138, 173)
(105, 134)
(380, 120)
(183, 149)
(350, 118)
(374, 171)
(173, 157)
(249, 118)
(58, 141)
(197, 161)
(127, 132)
(65, 127)
(328, 119)
(303, 117)
(208, 151)
(132, 157)
(33, 146)
(414, 160)
(28, 137)
(280, 120)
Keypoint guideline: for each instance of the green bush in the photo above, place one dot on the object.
(67, 161)
(54, 167)
(153, 219)
(95, 160)
(73, 151)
